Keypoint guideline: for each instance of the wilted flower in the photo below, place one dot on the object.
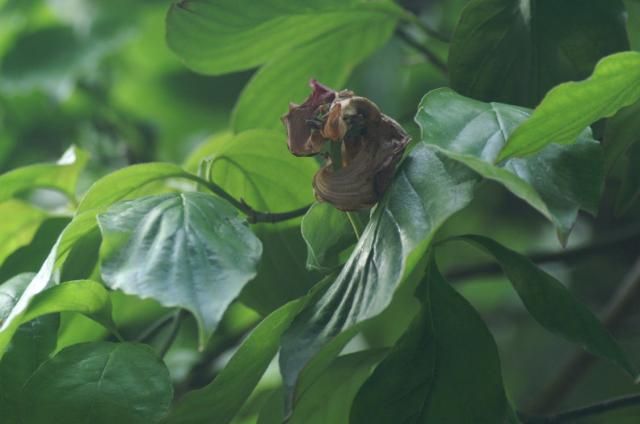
(350, 130)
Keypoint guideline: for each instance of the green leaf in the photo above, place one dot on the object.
(514, 51)
(32, 344)
(84, 296)
(329, 398)
(330, 58)
(552, 305)
(430, 375)
(129, 183)
(188, 250)
(20, 222)
(221, 400)
(557, 182)
(217, 37)
(256, 166)
(629, 192)
(61, 176)
(621, 132)
(100, 383)
(427, 190)
(571, 107)
(327, 232)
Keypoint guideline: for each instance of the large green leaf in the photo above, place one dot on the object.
(100, 383)
(61, 176)
(295, 41)
(86, 297)
(514, 51)
(569, 108)
(129, 183)
(327, 232)
(32, 344)
(216, 37)
(221, 400)
(20, 222)
(427, 189)
(329, 398)
(186, 249)
(445, 368)
(557, 182)
(257, 167)
(552, 305)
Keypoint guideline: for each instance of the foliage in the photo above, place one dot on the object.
(173, 266)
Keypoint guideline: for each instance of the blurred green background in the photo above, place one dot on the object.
(98, 74)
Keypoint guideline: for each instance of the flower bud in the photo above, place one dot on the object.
(371, 144)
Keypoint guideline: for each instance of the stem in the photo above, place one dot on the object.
(173, 332)
(430, 32)
(586, 411)
(253, 216)
(629, 236)
(155, 326)
(429, 55)
(356, 223)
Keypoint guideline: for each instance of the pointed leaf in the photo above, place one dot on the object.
(557, 182)
(430, 375)
(99, 383)
(20, 223)
(552, 305)
(569, 108)
(189, 250)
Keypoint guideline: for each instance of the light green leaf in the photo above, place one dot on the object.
(430, 375)
(552, 305)
(256, 166)
(329, 398)
(100, 383)
(557, 182)
(61, 176)
(20, 222)
(571, 107)
(221, 400)
(129, 183)
(85, 297)
(189, 250)
(514, 51)
(329, 58)
(327, 232)
(217, 37)
(33, 343)
(427, 190)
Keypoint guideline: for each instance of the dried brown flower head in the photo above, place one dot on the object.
(361, 144)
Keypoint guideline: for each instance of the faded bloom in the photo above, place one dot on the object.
(361, 145)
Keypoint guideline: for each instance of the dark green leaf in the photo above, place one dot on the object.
(552, 305)
(427, 190)
(445, 368)
(61, 176)
(256, 166)
(32, 344)
(630, 188)
(327, 232)
(329, 398)
(571, 107)
(514, 51)
(189, 250)
(557, 182)
(221, 400)
(86, 297)
(99, 383)
(621, 132)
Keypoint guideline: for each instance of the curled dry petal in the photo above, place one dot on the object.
(371, 146)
